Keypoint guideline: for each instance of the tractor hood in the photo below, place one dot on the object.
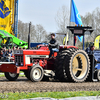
(36, 52)
(32, 52)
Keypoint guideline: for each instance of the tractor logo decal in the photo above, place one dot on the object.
(4, 10)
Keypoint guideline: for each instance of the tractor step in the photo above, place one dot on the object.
(49, 73)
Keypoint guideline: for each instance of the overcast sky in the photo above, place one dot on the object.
(44, 11)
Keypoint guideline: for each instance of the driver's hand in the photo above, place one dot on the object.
(49, 44)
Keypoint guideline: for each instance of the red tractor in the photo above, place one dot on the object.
(69, 63)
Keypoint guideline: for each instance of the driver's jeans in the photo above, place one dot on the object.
(52, 50)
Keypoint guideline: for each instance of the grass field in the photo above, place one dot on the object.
(21, 74)
(58, 95)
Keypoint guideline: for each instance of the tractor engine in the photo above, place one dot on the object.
(27, 57)
(31, 57)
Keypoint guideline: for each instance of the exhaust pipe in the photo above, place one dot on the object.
(29, 36)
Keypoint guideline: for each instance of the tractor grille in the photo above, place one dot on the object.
(19, 60)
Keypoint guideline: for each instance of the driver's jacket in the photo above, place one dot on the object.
(89, 52)
(53, 43)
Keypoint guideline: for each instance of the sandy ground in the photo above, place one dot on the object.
(22, 84)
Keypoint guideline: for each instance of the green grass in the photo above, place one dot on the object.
(58, 95)
(2, 74)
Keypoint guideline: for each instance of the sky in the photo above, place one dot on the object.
(44, 11)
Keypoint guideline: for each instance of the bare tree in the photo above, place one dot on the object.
(93, 20)
(96, 14)
(38, 33)
(33, 32)
(62, 20)
(23, 30)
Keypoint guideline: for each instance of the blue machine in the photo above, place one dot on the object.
(97, 57)
(16, 18)
(34, 44)
(97, 66)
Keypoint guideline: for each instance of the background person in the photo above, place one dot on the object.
(4, 56)
(90, 51)
(9, 54)
(1, 54)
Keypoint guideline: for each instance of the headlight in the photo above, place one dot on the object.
(16, 64)
(21, 64)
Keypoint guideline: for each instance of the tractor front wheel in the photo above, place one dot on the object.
(36, 73)
(11, 76)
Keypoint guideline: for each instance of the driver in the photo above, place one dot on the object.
(53, 45)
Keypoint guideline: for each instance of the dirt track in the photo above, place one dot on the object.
(24, 85)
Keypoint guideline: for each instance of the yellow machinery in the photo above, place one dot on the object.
(97, 42)
(7, 15)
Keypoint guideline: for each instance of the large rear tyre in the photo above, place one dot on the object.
(45, 78)
(36, 73)
(77, 66)
(72, 65)
(60, 73)
(11, 76)
(27, 74)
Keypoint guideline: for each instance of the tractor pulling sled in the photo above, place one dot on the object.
(69, 64)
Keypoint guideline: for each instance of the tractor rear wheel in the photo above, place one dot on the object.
(45, 78)
(60, 73)
(27, 73)
(11, 76)
(36, 73)
(77, 66)
(72, 64)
